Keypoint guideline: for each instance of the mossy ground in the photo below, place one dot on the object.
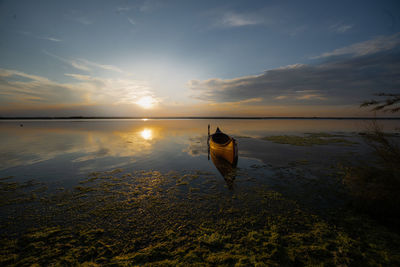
(169, 219)
(309, 139)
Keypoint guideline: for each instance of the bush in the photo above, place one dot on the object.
(375, 186)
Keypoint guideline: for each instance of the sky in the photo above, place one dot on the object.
(196, 58)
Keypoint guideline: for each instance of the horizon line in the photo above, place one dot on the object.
(193, 117)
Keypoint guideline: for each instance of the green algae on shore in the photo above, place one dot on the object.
(310, 139)
(148, 218)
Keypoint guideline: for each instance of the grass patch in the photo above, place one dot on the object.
(146, 219)
(375, 190)
(326, 135)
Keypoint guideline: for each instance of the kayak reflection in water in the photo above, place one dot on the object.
(224, 154)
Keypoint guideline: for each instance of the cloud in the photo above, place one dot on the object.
(131, 21)
(48, 38)
(241, 102)
(51, 39)
(80, 77)
(336, 82)
(232, 19)
(292, 66)
(113, 91)
(20, 88)
(296, 30)
(80, 16)
(378, 44)
(4, 73)
(273, 16)
(74, 63)
(83, 20)
(311, 96)
(340, 27)
(121, 9)
(150, 5)
(100, 66)
(84, 64)
(222, 18)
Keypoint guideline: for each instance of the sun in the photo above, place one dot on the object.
(146, 102)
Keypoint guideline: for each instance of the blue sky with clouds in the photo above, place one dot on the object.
(262, 58)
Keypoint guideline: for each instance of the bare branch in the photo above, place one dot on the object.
(390, 104)
(369, 103)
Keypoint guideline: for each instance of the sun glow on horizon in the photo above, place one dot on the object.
(146, 102)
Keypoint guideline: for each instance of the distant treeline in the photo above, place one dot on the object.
(200, 118)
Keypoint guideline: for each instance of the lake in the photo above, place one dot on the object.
(145, 191)
(66, 150)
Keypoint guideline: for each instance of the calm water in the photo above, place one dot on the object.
(65, 151)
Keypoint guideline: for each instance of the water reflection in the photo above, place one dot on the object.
(66, 148)
(146, 134)
(196, 146)
(226, 169)
(36, 143)
(63, 150)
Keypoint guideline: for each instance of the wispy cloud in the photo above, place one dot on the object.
(272, 16)
(53, 39)
(151, 5)
(302, 95)
(297, 30)
(22, 88)
(84, 64)
(114, 91)
(121, 9)
(131, 21)
(49, 38)
(79, 16)
(311, 96)
(100, 66)
(241, 102)
(378, 44)
(232, 19)
(83, 20)
(340, 27)
(4, 73)
(74, 63)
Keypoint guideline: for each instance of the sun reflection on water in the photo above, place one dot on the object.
(146, 134)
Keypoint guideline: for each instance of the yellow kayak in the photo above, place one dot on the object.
(223, 146)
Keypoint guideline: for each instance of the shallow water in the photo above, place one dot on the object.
(64, 151)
